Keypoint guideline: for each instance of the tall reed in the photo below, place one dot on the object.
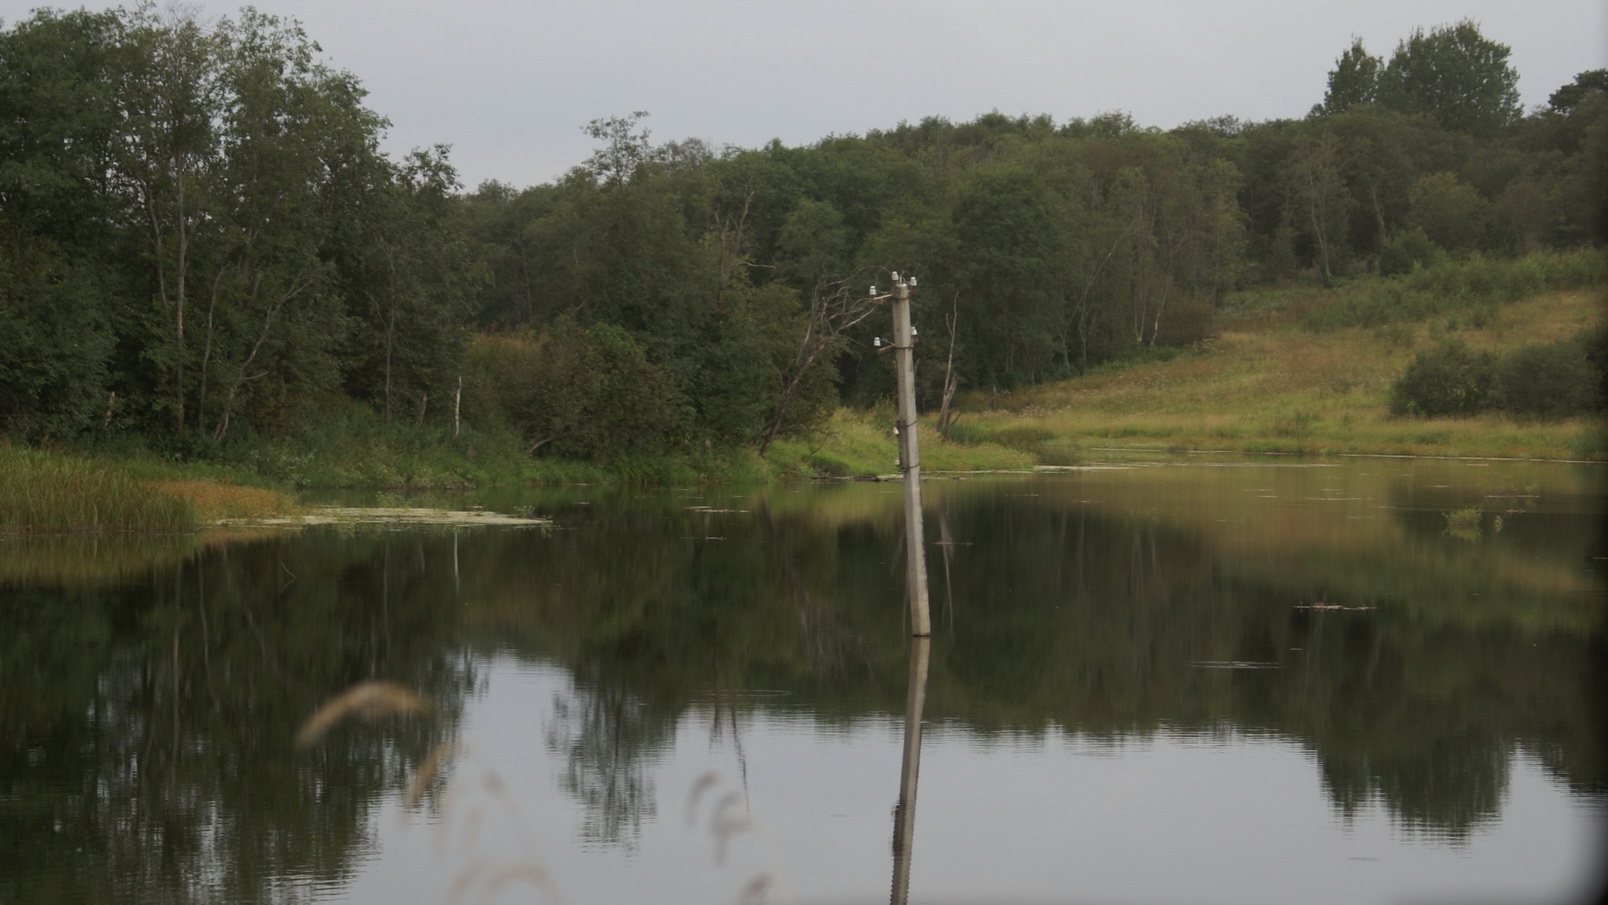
(46, 492)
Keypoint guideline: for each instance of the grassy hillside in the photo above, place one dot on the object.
(1277, 378)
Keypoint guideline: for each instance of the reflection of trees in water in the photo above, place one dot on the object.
(657, 612)
(146, 743)
(145, 731)
(1096, 621)
(1446, 789)
(1070, 615)
(1055, 615)
(609, 740)
(831, 642)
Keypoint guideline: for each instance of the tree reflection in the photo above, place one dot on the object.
(1446, 792)
(145, 732)
(608, 739)
(1075, 618)
(149, 724)
(831, 642)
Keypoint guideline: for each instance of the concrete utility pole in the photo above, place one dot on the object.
(910, 456)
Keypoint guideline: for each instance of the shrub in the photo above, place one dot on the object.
(1407, 251)
(582, 393)
(1594, 345)
(1465, 523)
(1450, 379)
(1448, 210)
(1374, 304)
(1555, 380)
(1574, 269)
(1188, 321)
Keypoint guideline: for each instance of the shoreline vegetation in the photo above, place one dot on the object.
(1289, 371)
(220, 298)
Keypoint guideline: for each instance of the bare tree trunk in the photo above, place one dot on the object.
(206, 345)
(1315, 209)
(946, 415)
(730, 252)
(833, 310)
(181, 278)
(303, 280)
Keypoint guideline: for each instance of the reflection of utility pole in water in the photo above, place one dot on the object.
(904, 815)
(909, 455)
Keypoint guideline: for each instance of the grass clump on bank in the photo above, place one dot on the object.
(215, 502)
(49, 492)
(349, 446)
(860, 444)
(43, 492)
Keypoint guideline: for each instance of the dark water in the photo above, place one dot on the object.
(1189, 682)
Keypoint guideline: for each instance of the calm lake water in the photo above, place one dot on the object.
(1190, 681)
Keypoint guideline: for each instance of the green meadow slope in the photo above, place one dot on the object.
(1270, 381)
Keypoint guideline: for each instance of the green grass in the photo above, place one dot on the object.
(45, 492)
(1465, 523)
(857, 444)
(349, 446)
(1273, 385)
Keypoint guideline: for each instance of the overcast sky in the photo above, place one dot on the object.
(509, 83)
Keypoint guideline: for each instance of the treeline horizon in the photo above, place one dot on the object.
(201, 243)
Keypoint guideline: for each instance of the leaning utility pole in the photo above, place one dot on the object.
(909, 455)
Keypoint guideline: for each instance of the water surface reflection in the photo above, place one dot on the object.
(1177, 683)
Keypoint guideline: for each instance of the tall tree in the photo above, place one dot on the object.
(1448, 210)
(804, 394)
(59, 246)
(1353, 81)
(185, 171)
(1319, 201)
(1455, 76)
(1011, 236)
(1586, 84)
(625, 148)
(1381, 152)
(409, 278)
(175, 109)
(271, 324)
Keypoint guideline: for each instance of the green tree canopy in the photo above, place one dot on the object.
(1457, 77)
(1353, 81)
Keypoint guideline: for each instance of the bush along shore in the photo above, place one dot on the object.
(1492, 372)
(1264, 384)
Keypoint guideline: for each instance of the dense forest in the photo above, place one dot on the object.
(201, 242)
